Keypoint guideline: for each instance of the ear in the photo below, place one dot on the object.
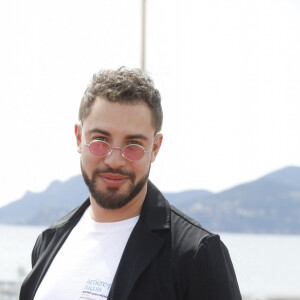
(156, 146)
(78, 137)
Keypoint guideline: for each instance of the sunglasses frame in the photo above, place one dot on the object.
(121, 148)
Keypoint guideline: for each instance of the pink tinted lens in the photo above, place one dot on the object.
(99, 148)
(133, 152)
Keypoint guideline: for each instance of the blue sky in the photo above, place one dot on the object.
(228, 72)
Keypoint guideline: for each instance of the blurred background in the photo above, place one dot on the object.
(228, 73)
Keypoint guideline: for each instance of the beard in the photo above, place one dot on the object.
(111, 198)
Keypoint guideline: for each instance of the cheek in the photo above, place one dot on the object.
(89, 163)
(141, 169)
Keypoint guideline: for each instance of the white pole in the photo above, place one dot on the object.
(143, 59)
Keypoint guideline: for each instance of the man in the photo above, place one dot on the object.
(125, 241)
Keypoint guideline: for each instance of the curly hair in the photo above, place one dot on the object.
(124, 86)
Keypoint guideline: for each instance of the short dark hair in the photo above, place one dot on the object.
(125, 86)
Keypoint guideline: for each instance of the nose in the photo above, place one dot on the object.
(115, 159)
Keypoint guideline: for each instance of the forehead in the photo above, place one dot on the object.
(120, 117)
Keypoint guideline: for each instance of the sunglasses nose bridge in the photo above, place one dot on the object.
(111, 149)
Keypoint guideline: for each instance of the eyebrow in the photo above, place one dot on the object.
(97, 130)
(136, 136)
(127, 137)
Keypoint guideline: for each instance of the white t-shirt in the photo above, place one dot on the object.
(86, 264)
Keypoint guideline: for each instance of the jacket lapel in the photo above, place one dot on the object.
(140, 250)
(143, 245)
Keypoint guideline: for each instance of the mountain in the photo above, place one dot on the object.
(270, 204)
(45, 207)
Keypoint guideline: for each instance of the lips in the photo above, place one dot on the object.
(114, 180)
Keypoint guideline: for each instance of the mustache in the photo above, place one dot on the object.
(113, 171)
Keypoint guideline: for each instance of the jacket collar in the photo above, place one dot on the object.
(155, 210)
(72, 217)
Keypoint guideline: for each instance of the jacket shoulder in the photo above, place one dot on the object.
(201, 260)
(182, 223)
(187, 237)
(67, 222)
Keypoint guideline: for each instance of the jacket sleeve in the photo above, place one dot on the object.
(212, 275)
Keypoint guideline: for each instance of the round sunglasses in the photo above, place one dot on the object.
(132, 152)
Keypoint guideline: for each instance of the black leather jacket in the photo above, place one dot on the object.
(168, 256)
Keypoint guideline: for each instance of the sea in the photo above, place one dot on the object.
(265, 264)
